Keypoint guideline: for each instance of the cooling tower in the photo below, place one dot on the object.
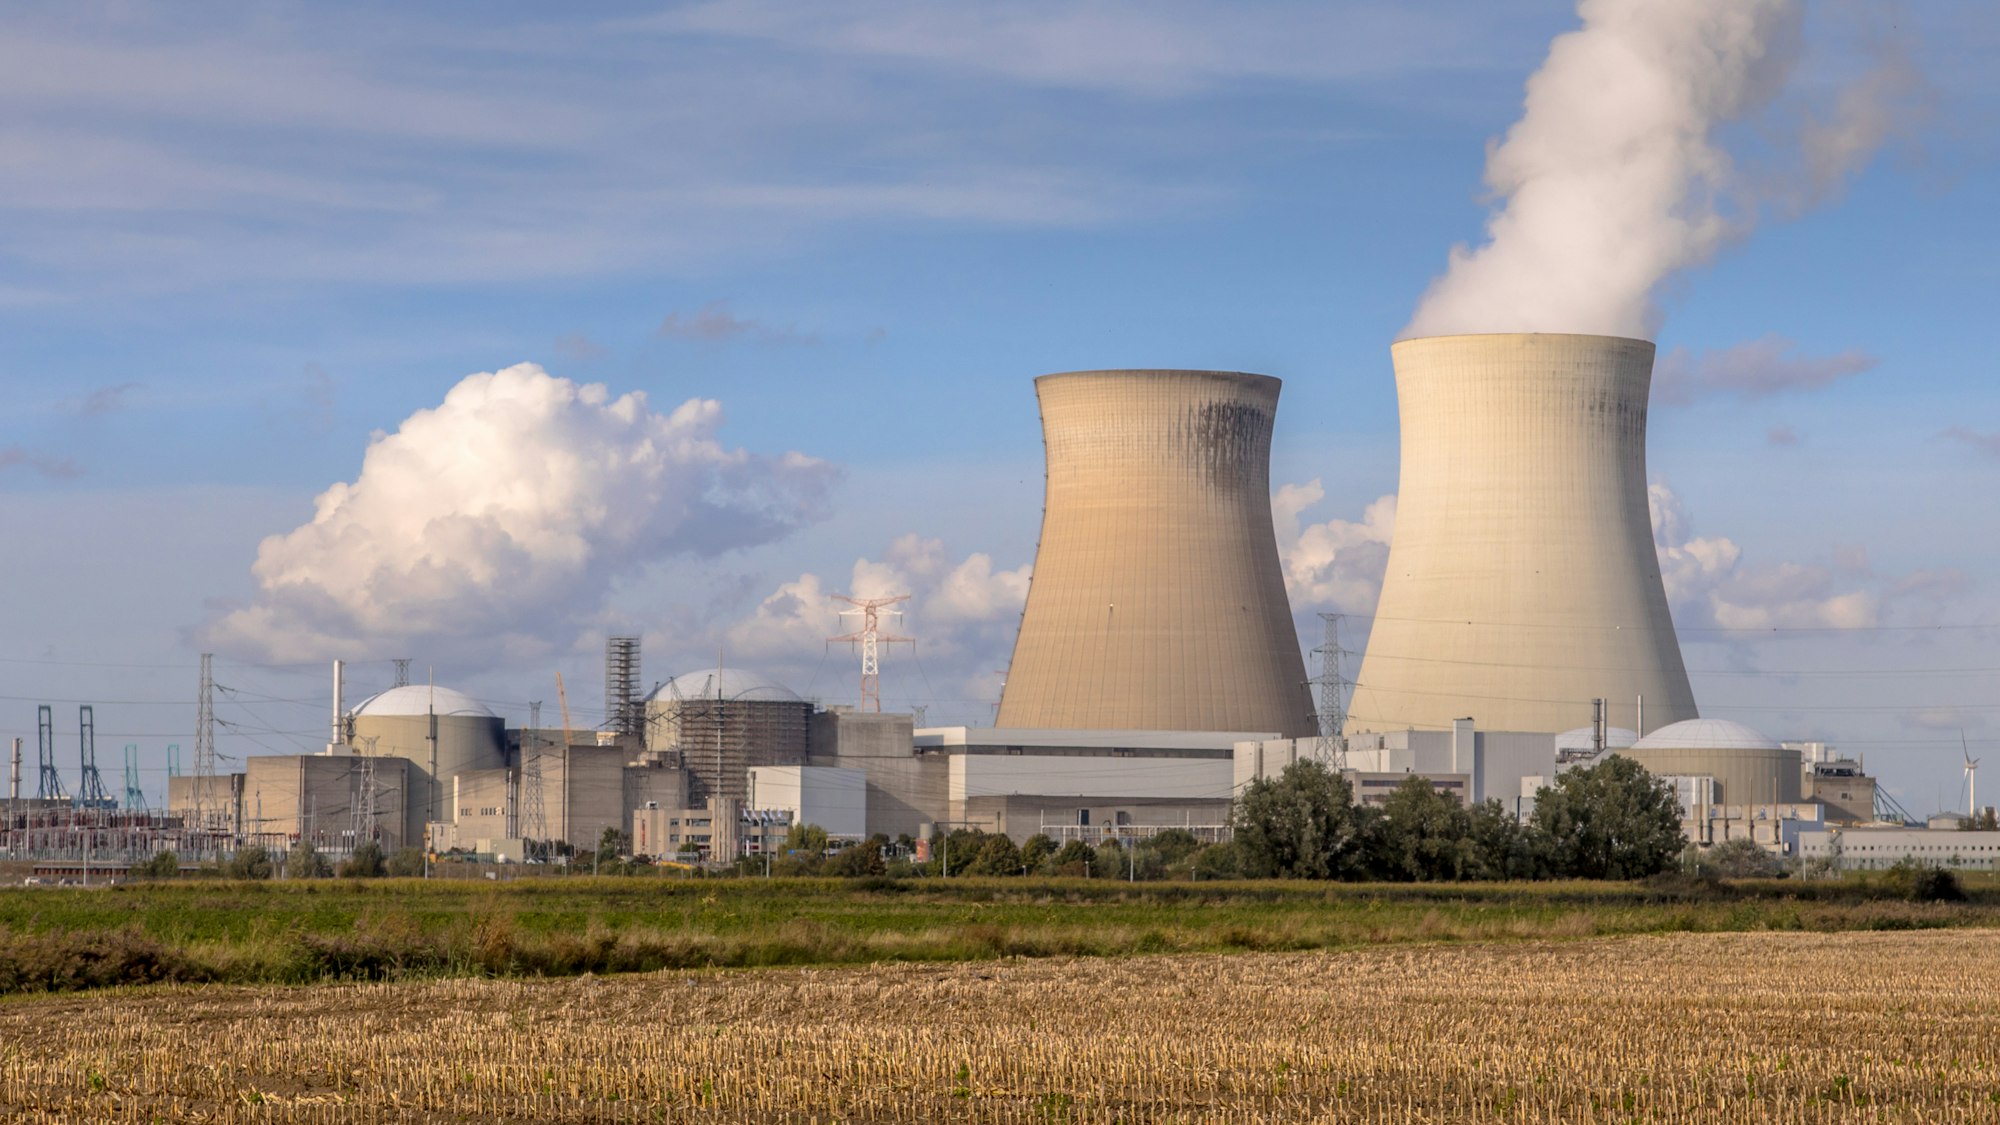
(1157, 601)
(1522, 581)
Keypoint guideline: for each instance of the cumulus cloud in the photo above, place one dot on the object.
(1754, 369)
(1335, 565)
(713, 323)
(1614, 179)
(46, 464)
(963, 612)
(492, 525)
(1709, 584)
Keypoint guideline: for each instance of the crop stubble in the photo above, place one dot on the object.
(1690, 1027)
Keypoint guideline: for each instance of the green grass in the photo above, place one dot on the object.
(291, 932)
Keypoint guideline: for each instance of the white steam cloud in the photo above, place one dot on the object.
(493, 525)
(1613, 179)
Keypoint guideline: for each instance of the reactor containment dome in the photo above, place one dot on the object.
(1522, 580)
(1157, 601)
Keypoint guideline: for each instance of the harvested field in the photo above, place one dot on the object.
(1686, 1027)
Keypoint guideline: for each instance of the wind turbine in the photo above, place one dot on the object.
(1971, 777)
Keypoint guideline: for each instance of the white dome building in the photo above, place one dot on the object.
(398, 723)
(718, 722)
(1749, 767)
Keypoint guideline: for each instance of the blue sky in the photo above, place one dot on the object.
(237, 242)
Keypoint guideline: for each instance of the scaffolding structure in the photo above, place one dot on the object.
(624, 711)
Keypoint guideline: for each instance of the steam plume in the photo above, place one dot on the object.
(1613, 179)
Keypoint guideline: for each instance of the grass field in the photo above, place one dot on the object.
(1897, 1027)
(300, 932)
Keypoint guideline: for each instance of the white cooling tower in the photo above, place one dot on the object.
(1157, 601)
(1522, 580)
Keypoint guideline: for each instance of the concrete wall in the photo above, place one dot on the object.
(1866, 849)
(1522, 580)
(465, 742)
(221, 803)
(1742, 777)
(1496, 763)
(583, 793)
(1088, 819)
(482, 804)
(905, 790)
(996, 775)
(833, 799)
(1157, 599)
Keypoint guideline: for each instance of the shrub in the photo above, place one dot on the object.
(1743, 859)
(366, 862)
(1922, 882)
(64, 962)
(305, 862)
(406, 862)
(163, 865)
(251, 862)
(860, 861)
(997, 856)
(1072, 859)
(1035, 854)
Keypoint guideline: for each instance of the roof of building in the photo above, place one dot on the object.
(1706, 734)
(421, 699)
(728, 684)
(1584, 738)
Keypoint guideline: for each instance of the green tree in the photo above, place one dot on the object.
(1035, 854)
(163, 865)
(957, 849)
(1743, 858)
(1299, 825)
(611, 848)
(1506, 848)
(862, 859)
(407, 862)
(365, 862)
(1612, 820)
(305, 862)
(251, 862)
(808, 838)
(1425, 835)
(997, 856)
(1073, 859)
(1107, 861)
(1219, 861)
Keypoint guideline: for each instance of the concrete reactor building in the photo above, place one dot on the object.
(1157, 601)
(1522, 580)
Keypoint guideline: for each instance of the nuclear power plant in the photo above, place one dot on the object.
(1157, 600)
(1522, 631)
(1522, 582)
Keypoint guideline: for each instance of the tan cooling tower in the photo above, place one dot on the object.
(1157, 601)
(1522, 581)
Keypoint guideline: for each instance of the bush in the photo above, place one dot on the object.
(251, 862)
(1742, 859)
(1036, 853)
(1219, 861)
(366, 862)
(63, 962)
(1073, 859)
(861, 860)
(163, 865)
(305, 862)
(997, 856)
(407, 862)
(1921, 882)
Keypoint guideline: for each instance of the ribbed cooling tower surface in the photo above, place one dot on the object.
(1522, 580)
(1157, 601)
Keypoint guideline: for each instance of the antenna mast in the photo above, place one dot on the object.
(870, 637)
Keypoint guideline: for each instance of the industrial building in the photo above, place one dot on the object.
(1522, 580)
(1157, 601)
(718, 723)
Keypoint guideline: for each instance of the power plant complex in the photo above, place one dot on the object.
(1522, 630)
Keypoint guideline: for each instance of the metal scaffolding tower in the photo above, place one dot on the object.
(1331, 683)
(90, 793)
(49, 786)
(870, 637)
(623, 712)
(204, 746)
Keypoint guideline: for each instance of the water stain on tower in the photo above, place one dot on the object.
(1158, 602)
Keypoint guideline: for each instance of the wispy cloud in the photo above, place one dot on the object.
(579, 348)
(1755, 369)
(46, 464)
(108, 400)
(1988, 444)
(1781, 436)
(713, 323)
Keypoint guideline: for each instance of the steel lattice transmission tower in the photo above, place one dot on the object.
(204, 742)
(365, 802)
(402, 672)
(48, 786)
(1332, 691)
(871, 637)
(534, 825)
(90, 791)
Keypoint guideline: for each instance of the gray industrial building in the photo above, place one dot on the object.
(717, 723)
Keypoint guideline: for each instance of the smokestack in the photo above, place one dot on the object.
(1157, 601)
(1522, 580)
(1597, 733)
(14, 779)
(339, 738)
